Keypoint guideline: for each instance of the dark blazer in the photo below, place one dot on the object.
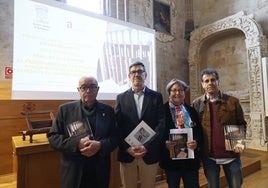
(127, 119)
(72, 162)
(166, 162)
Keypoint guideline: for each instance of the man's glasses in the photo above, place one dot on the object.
(91, 88)
(139, 72)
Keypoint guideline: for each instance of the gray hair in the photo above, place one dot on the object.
(179, 82)
(137, 63)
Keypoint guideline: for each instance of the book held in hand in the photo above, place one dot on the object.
(234, 137)
(180, 137)
(80, 127)
(141, 134)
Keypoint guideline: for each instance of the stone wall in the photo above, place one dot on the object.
(171, 49)
(209, 11)
(6, 36)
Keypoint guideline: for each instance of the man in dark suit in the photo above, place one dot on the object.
(84, 132)
(139, 162)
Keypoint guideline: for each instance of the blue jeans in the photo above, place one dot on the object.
(190, 178)
(232, 171)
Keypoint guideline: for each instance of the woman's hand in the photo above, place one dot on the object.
(192, 145)
(170, 144)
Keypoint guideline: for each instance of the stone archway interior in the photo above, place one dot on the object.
(234, 46)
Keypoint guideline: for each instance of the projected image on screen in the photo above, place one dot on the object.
(54, 45)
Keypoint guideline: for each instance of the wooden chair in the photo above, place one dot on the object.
(38, 122)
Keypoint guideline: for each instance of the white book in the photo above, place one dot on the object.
(140, 135)
(181, 137)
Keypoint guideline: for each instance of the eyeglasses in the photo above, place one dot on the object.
(137, 71)
(177, 90)
(92, 88)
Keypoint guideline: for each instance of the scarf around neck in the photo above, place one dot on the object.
(186, 116)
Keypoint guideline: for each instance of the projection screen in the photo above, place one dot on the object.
(55, 44)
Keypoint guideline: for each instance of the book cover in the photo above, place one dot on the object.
(234, 137)
(80, 127)
(180, 137)
(141, 134)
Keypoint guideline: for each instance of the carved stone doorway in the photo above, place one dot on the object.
(234, 46)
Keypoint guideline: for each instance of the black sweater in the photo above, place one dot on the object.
(166, 162)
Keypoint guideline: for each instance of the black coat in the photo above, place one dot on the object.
(72, 162)
(166, 162)
(127, 119)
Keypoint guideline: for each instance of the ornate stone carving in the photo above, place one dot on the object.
(256, 44)
(164, 37)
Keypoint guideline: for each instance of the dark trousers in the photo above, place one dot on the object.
(94, 176)
(232, 171)
(190, 178)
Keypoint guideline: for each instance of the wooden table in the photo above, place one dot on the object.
(36, 164)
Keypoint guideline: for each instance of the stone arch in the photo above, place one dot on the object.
(256, 46)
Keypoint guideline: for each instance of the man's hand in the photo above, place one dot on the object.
(89, 147)
(137, 151)
(83, 142)
(239, 148)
